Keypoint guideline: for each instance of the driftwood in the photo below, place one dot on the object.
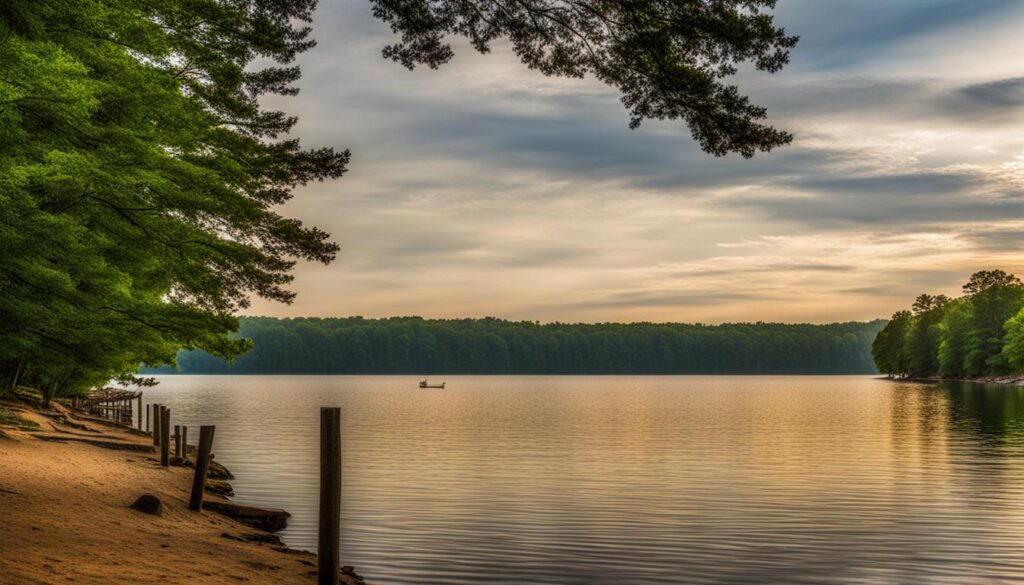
(218, 471)
(103, 444)
(270, 520)
(260, 537)
(219, 488)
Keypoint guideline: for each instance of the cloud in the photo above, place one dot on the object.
(837, 35)
(988, 102)
(486, 189)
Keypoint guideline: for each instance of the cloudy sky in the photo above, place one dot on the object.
(486, 189)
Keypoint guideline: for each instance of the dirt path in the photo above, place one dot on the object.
(65, 516)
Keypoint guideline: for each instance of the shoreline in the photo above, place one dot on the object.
(67, 483)
(1010, 380)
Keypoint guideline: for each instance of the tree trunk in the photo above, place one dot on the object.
(12, 373)
(48, 390)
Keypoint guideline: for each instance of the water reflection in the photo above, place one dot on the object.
(638, 479)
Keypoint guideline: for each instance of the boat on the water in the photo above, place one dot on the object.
(425, 384)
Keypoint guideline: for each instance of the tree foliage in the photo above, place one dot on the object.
(668, 58)
(889, 347)
(1013, 351)
(923, 336)
(140, 178)
(978, 334)
(411, 345)
(953, 336)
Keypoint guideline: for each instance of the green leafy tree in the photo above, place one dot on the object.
(140, 178)
(954, 329)
(962, 337)
(1013, 351)
(985, 279)
(923, 335)
(995, 298)
(889, 347)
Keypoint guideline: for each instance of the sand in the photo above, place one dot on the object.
(65, 517)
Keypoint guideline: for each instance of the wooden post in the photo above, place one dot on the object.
(329, 543)
(184, 442)
(177, 441)
(156, 424)
(165, 431)
(147, 417)
(195, 503)
(140, 411)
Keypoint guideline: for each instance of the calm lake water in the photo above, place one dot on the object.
(636, 480)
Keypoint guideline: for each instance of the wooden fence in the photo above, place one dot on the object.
(125, 407)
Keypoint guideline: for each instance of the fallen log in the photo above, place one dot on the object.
(102, 444)
(271, 520)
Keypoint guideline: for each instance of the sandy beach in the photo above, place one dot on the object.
(65, 515)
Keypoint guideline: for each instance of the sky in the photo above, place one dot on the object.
(485, 189)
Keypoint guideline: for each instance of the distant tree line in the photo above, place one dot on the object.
(412, 345)
(978, 334)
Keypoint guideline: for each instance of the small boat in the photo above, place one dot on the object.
(425, 384)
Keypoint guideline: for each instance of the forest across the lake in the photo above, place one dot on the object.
(977, 335)
(413, 345)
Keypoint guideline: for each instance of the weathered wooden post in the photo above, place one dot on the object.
(165, 431)
(140, 411)
(184, 442)
(195, 503)
(161, 411)
(147, 418)
(177, 441)
(329, 543)
(156, 425)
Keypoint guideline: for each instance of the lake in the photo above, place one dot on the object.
(635, 480)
